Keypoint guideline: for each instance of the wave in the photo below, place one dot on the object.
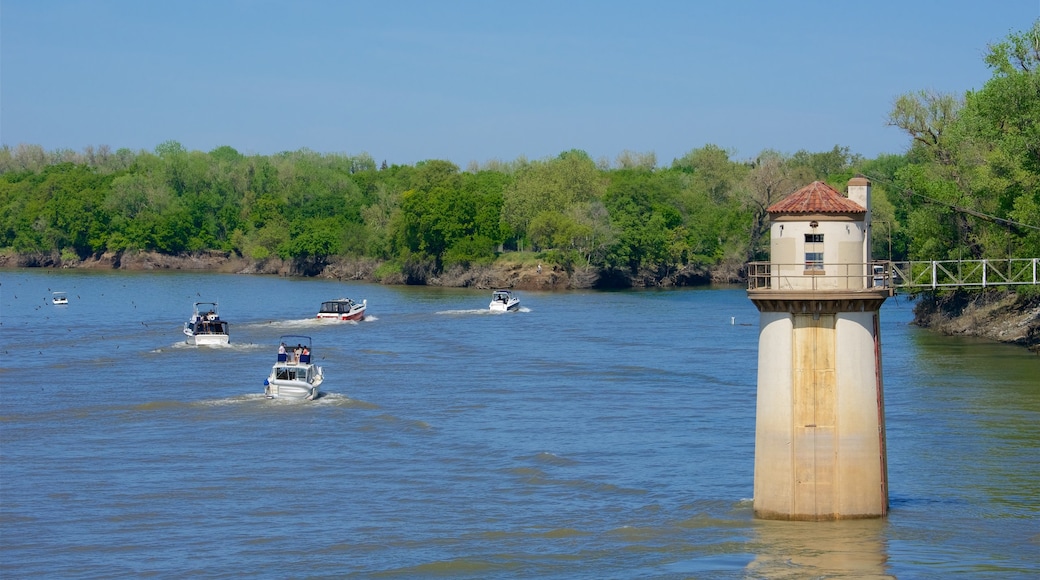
(232, 346)
(481, 311)
(309, 322)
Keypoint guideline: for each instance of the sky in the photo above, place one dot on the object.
(482, 80)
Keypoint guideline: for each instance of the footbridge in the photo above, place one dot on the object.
(908, 276)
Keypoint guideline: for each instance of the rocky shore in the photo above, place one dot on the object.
(995, 314)
(999, 315)
(518, 275)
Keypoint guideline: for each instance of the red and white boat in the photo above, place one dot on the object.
(342, 309)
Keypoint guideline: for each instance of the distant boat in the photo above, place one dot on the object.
(59, 299)
(504, 301)
(342, 309)
(205, 328)
(293, 375)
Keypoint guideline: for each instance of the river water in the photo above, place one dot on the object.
(591, 435)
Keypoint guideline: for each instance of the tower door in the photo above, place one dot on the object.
(813, 445)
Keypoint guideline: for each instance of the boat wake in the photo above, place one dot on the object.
(367, 318)
(335, 321)
(311, 322)
(301, 323)
(326, 399)
(234, 347)
(236, 400)
(480, 311)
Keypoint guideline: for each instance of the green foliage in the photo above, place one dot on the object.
(554, 186)
(834, 164)
(976, 172)
(317, 239)
(470, 251)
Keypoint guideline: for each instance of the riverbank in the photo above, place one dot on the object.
(517, 275)
(520, 271)
(999, 315)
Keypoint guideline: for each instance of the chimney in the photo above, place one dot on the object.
(859, 192)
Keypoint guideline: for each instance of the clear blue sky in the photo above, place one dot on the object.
(476, 80)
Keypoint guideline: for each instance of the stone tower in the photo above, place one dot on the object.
(820, 426)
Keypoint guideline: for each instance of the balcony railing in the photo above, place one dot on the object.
(810, 276)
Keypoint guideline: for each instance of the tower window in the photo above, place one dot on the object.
(814, 252)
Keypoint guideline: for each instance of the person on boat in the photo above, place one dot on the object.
(306, 356)
(281, 352)
(297, 352)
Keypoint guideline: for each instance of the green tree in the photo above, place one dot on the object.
(771, 179)
(551, 186)
(712, 170)
(979, 173)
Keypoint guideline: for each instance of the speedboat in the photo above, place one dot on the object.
(342, 309)
(205, 327)
(59, 299)
(504, 301)
(294, 376)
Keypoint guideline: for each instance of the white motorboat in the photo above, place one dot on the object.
(294, 376)
(59, 299)
(342, 309)
(205, 327)
(504, 301)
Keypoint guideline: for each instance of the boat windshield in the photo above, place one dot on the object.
(289, 373)
(337, 306)
(211, 327)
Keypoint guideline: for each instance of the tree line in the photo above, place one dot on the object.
(968, 186)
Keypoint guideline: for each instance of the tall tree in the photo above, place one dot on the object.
(976, 185)
(771, 179)
(551, 186)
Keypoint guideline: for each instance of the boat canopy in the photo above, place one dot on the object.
(210, 327)
(341, 305)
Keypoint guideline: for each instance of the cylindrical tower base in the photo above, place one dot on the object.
(819, 435)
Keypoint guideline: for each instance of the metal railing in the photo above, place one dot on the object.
(811, 276)
(913, 275)
(965, 273)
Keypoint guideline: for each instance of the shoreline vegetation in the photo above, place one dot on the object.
(968, 187)
(519, 270)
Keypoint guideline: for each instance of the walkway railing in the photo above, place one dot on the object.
(914, 275)
(966, 273)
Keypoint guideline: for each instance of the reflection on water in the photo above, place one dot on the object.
(835, 549)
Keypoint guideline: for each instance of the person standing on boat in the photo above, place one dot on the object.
(281, 352)
(297, 352)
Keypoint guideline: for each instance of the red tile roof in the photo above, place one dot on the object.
(817, 197)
